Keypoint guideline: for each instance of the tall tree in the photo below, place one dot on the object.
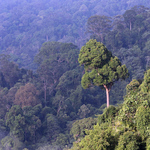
(101, 67)
(54, 59)
(129, 17)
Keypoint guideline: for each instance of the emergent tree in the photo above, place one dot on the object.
(101, 67)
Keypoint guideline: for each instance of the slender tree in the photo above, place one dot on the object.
(101, 67)
(54, 59)
(129, 17)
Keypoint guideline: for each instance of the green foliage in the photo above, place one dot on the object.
(48, 147)
(79, 127)
(101, 138)
(37, 109)
(52, 50)
(2, 125)
(10, 142)
(61, 55)
(62, 140)
(133, 58)
(52, 127)
(14, 111)
(128, 141)
(47, 110)
(69, 81)
(143, 121)
(101, 68)
(135, 100)
(148, 144)
(23, 124)
(108, 115)
(33, 124)
(133, 86)
(9, 79)
(3, 102)
(94, 55)
(124, 127)
(145, 86)
(128, 110)
(83, 111)
(16, 122)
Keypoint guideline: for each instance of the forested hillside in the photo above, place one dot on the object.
(25, 25)
(42, 102)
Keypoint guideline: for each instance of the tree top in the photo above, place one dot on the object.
(101, 67)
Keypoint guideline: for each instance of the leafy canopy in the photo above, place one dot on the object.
(101, 67)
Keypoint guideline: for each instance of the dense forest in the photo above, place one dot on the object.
(43, 104)
(27, 24)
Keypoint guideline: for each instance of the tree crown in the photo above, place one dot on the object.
(101, 67)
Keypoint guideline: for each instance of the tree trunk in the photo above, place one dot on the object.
(45, 91)
(45, 94)
(130, 26)
(107, 93)
(101, 35)
(46, 38)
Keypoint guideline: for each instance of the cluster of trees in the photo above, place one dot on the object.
(120, 128)
(39, 107)
(27, 24)
(127, 36)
